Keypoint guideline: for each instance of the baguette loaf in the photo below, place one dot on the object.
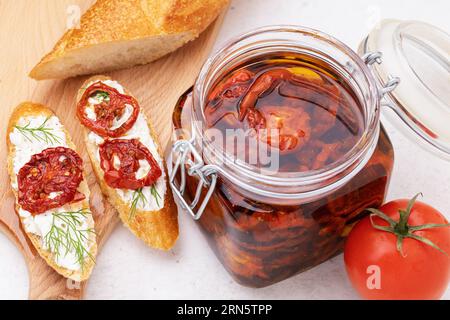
(116, 34)
(18, 144)
(158, 227)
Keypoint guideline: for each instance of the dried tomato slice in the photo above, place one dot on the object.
(128, 152)
(50, 179)
(262, 84)
(234, 86)
(292, 123)
(106, 112)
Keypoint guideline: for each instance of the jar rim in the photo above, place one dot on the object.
(314, 181)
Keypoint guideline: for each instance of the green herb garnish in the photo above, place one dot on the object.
(101, 95)
(65, 236)
(155, 194)
(138, 196)
(41, 133)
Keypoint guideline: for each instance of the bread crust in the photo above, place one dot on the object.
(125, 21)
(158, 229)
(33, 109)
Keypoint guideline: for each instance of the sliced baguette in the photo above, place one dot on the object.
(31, 109)
(116, 34)
(158, 229)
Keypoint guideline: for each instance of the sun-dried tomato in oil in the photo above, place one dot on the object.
(311, 111)
(319, 120)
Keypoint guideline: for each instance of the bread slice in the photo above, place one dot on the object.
(28, 109)
(157, 228)
(116, 34)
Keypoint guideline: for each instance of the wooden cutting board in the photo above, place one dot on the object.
(28, 30)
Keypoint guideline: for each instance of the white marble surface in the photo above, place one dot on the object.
(127, 269)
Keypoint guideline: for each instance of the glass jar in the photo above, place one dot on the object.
(267, 226)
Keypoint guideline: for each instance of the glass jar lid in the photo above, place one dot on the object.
(419, 54)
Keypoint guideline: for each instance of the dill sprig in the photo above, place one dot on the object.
(139, 196)
(101, 95)
(41, 133)
(155, 194)
(65, 236)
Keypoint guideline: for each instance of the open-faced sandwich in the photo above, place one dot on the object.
(52, 196)
(127, 161)
(116, 34)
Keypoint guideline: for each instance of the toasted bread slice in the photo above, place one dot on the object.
(17, 156)
(116, 34)
(158, 228)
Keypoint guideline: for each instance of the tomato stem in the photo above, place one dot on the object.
(401, 228)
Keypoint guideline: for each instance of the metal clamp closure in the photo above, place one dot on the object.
(376, 57)
(189, 161)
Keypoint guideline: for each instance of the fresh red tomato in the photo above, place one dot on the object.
(400, 251)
